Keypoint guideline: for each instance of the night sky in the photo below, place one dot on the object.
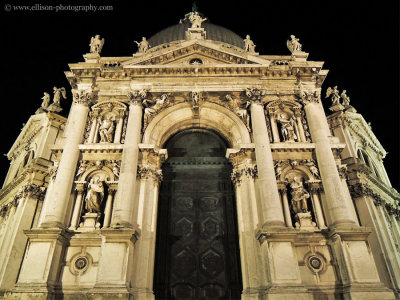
(359, 45)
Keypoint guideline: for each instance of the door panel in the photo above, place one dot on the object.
(197, 254)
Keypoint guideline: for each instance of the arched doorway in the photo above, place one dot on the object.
(197, 249)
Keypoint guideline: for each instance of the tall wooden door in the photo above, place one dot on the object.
(197, 251)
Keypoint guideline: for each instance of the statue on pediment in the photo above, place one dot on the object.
(143, 46)
(195, 19)
(96, 44)
(335, 98)
(345, 99)
(294, 44)
(334, 94)
(249, 45)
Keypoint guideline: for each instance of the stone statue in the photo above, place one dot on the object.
(299, 196)
(240, 109)
(334, 94)
(96, 44)
(294, 44)
(345, 99)
(106, 130)
(143, 46)
(287, 128)
(46, 101)
(94, 195)
(153, 106)
(278, 169)
(58, 93)
(115, 168)
(313, 168)
(249, 45)
(82, 168)
(195, 98)
(195, 19)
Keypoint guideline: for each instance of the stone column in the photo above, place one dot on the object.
(300, 127)
(150, 177)
(78, 206)
(109, 204)
(338, 206)
(274, 127)
(118, 130)
(93, 127)
(124, 202)
(251, 257)
(286, 208)
(54, 216)
(270, 200)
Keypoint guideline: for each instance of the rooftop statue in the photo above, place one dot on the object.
(335, 98)
(59, 93)
(96, 44)
(294, 44)
(143, 46)
(249, 45)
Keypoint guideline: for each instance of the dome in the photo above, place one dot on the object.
(213, 32)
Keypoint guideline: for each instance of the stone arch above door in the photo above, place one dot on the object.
(211, 116)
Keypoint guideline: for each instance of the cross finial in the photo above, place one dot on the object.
(194, 7)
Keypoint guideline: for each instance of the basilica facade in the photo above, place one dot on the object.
(198, 168)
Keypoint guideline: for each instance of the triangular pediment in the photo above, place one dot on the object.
(195, 52)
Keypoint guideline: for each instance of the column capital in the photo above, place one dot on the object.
(84, 97)
(255, 95)
(308, 95)
(136, 97)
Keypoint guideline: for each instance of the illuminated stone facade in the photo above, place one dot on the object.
(316, 214)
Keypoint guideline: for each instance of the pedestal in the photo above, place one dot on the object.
(196, 33)
(304, 222)
(90, 222)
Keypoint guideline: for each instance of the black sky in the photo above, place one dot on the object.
(359, 45)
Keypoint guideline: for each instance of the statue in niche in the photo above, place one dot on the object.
(94, 195)
(195, 19)
(143, 46)
(153, 106)
(96, 44)
(115, 168)
(334, 94)
(299, 196)
(106, 130)
(278, 169)
(249, 45)
(294, 44)
(287, 127)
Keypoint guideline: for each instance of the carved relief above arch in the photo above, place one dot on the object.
(211, 116)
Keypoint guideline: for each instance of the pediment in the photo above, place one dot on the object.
(196, 52)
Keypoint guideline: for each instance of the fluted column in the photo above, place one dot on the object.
(124, 202)
(339, 207)
(270, 200)
(93, 127)
(55, 210)
(300, 127)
